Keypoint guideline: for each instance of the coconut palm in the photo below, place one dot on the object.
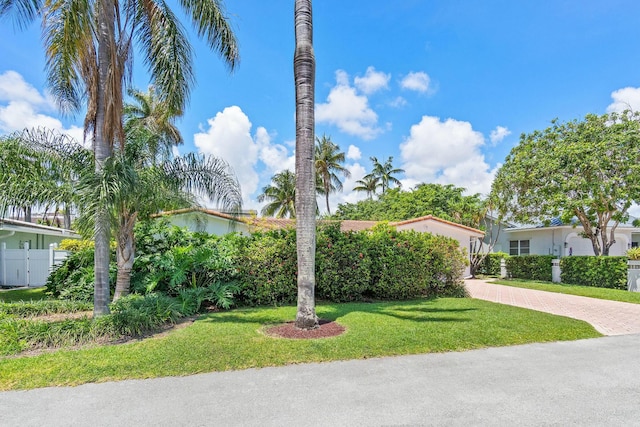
(281, 195)
(328, 162)
(384, 173)
(89, 50)
(304, 64)
(150, 115)
(368, 183)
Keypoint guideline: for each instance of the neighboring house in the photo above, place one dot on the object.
(25, 258)
(561, 240)
(214, 222)
(16, 233)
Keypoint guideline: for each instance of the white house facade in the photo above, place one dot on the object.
(561, 240)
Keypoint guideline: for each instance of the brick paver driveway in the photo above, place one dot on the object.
(607, 317)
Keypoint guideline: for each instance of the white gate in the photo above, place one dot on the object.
(28, 267)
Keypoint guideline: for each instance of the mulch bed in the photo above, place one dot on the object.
(326, 329)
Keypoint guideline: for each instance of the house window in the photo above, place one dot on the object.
(518, 247)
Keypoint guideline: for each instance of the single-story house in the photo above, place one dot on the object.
(15, 234)
(206, 220)
(25, 258)
(561, 240)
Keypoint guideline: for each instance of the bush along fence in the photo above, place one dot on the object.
(614, 272)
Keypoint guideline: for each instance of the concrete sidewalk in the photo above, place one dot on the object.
(588, 382)
(607, 317)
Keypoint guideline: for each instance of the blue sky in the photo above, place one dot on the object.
(445, 87)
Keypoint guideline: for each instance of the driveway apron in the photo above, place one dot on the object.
(607, 317)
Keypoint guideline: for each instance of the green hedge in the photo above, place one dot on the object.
(530, 267)
(381, 264)
(597, 271)
(490, 266)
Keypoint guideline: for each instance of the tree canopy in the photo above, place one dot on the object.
(586, 169)
(444, 201)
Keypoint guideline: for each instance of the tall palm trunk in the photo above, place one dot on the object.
(304, 74)
(326, 192)
(102, 149)
(125, 254)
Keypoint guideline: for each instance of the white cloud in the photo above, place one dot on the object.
(627, 98)
(498, 134)
(446, 152)
(372, 81)
(22, 106)
(347, 110)
(354, 153)
(418, 82)
(398, 102)
(14, 88)
(228, 136)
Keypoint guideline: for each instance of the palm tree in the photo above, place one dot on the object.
(368, 183)
(304, 65)
(89, 49)
(39, 168)
(140, 190)
(328, 161)
(384, 173)
(150, 115)
(281, 195)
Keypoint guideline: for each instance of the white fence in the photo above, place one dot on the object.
(28, 267)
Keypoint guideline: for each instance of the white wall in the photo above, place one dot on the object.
(202, 222)
(551, 241)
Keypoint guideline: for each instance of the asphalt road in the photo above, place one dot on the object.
(588, 382)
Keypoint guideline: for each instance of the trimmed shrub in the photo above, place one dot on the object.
(490, 266)
(597, 271)
(530, 267)
(75, 245)
(343, 264)
(268, 268)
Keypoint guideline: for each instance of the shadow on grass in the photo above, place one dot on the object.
(410, 311)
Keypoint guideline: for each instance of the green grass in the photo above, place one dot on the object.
(585, 291)
(15, 295)
(233, 340)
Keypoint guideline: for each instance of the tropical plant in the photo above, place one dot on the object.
(89, 50)
(136, 188)
(281, 195)
(369, 184)
(328, 162)
(304, 64)
(150, 115)
(40, 168)
(384, 173)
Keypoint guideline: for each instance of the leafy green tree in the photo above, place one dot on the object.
(281, 195)
(369, 184)
(304, 70)
(444, 201)
(384, 173)
(329, 162)
(586, 169)
(89, 51)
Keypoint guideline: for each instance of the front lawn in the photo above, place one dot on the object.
(584, 291)
(34, 294)
(234, 340)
